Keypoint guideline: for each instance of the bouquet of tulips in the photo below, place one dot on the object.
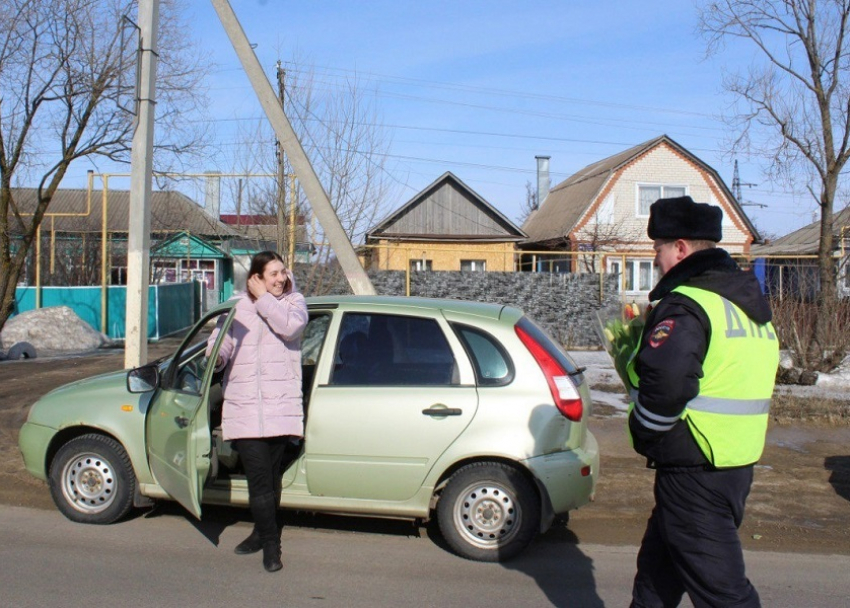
(620, 335)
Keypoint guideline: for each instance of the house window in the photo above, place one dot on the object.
(420, 265)
(649, 194)
(640, 275)
(473, 265)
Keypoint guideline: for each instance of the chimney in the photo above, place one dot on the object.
(542, 178)
(212, 194)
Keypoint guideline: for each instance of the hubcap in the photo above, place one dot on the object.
(88, 483)
(487, 514)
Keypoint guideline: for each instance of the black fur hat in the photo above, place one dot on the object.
(682, 218)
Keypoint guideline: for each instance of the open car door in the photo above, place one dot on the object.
(178, 429)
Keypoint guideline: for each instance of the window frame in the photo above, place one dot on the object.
(662, 188)
(474, 263)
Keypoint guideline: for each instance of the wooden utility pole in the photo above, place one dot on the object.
(281, 175)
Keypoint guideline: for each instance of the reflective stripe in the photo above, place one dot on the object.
(649, 419)
(650, 425)
(741, 407)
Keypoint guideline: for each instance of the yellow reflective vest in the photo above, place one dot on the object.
(728, 417)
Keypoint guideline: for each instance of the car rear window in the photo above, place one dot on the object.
(542, 337)
(493, 366)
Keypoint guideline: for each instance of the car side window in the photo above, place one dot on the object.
(493, 366)
(392, 350)
(186, 373)
(314, 337)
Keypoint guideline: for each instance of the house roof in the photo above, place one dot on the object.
(806, 240)
(70, 211)
(566, 204)
(448, 210)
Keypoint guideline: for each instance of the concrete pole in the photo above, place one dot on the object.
(324, 211)
(141, 169)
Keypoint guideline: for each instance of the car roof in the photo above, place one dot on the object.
(401, 303)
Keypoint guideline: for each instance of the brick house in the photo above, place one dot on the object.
(446, 226)
(597, 217)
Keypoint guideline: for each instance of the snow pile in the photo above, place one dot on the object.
(52, 330)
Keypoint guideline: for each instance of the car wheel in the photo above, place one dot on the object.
(92, 481)
(488, 512)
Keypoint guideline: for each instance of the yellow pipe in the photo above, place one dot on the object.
(52, 245)
(407, 275)
(38, 267)
(104, 299)
(292, 221)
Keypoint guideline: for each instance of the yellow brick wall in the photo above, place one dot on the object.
(395, 255)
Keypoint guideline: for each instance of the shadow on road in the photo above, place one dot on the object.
(560, 569)
(840, 477)
(216, 519)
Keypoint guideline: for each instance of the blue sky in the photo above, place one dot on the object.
(480, 87)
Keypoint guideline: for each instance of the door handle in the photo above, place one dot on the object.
(181, 421)
(442, 411)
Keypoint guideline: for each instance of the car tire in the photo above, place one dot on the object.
(489, 512)
(92, 481)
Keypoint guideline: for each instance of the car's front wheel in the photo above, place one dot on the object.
(91, 480)
(488, 511)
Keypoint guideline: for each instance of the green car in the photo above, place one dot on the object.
(415, 408)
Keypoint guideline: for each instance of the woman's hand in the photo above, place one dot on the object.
(256, 287)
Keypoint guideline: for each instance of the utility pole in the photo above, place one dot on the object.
(310, 184)
(141, 171)
(281, 175)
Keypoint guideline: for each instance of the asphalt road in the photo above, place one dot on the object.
(170, 560)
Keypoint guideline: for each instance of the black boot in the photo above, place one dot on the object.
(271, 556)
(252, 544)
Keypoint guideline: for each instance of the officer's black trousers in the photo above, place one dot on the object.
(691, 542)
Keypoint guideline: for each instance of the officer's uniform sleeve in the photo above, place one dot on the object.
(669, 363)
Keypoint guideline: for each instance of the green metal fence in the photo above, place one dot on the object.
(172, 307)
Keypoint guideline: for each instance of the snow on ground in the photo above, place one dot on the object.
(600, 370)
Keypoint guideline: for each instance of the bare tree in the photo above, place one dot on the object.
(599, 236)
(530, 204)
(795, 101)
(342, 134)
(62, 64)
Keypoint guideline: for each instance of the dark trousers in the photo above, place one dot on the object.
(263, 460)
(691, 542)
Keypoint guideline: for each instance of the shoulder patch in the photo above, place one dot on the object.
(661, 332)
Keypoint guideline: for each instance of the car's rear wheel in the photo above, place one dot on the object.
(91, 480)
(488, 511)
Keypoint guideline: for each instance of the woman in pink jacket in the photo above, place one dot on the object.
(263, 409)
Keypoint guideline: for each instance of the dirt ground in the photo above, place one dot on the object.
(800, 501)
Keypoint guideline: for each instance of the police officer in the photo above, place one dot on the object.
(704, 373)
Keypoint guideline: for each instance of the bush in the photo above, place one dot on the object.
(798, 330)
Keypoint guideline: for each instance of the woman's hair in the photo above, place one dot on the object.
(259, 261)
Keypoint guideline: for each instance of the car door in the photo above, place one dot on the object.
(178, 432)
(391, 404)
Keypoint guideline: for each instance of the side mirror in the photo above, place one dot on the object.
(143, 379)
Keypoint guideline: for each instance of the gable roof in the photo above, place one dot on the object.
(806, 240)
(71, 212)
(566, 204)
(447, 209)
(182, 245)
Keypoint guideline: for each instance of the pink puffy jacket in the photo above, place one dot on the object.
(262, 351)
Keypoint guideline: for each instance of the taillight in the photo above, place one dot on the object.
(564, 392)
